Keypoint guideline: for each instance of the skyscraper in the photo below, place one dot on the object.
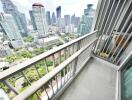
(40, 19)
(9, 27)
(86, 21)
(75, 20)
(58, 12)
(67, 19)
(19, 17)
(8, 6)
(58, 15)
(48, 18)
(89, 11)
(53, 18)
(32, 20)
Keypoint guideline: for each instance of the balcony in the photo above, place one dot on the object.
(87, 68)
(80, 75)
(68, 60)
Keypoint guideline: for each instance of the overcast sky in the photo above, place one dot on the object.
(68, 6)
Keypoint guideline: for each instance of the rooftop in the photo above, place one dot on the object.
(38, 4)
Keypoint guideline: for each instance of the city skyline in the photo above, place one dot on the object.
(67, 6)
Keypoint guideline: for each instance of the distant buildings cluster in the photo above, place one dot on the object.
(64, 24)
(14, 25)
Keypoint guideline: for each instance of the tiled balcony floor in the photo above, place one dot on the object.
(97, 81)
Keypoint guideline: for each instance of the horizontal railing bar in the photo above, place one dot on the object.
(42, 81)
(11, 71)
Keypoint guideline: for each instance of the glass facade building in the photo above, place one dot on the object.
(9, 27)
(32, 20)
(19, 17)
(48, 18)
(67, 19)
(86, 20)
(40, 19)
(53, 19)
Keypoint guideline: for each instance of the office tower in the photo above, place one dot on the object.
(58, 12)
(48, 18)
(9, 27)
(40, 19)
(19, 17)
(86, 20)
(89, 11)
(24, 24)
(32, 20)
(62, 22)
(67, 19)
(75, 20)
(53, 18)
(58, 15)
(8, 6)
(69, 28)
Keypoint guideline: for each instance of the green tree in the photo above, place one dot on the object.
(25, 54)
(38, 51)
(18, 56)
(28, 39)
(12, 58)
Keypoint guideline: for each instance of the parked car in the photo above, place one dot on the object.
(4, 66)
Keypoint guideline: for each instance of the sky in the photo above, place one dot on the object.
(68, 6)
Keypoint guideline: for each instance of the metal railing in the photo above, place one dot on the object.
(115, 30)
(65, 62)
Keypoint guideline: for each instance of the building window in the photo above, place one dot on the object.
(127, 81)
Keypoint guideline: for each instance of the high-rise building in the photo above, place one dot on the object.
(53, 18)
(67, 19)
(8, 6)
(62, 22)
(24, 24)
(69, 28)
(19, 17)
(86, 21)
(32, 20)
(40, 19)
(75, 20)
(9, 27)
(48, 18)
(89, 11)
(58, 15)
(58, 12)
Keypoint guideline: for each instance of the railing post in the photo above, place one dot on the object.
(76, 60)
(26, 78)
(53, 58)
(75, 66)
(37, 71)
(11, 87)
(47, 70)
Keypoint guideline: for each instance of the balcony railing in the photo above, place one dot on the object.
(67, 60)
(115, 26)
